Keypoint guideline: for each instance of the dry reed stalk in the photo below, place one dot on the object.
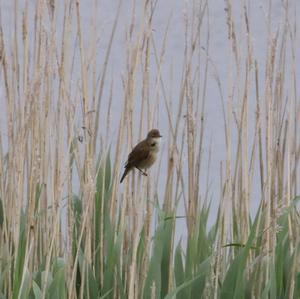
(227, 202)
(269, 245)
(136, 201)
(103, 75)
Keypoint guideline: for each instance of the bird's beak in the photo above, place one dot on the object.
(160, 136)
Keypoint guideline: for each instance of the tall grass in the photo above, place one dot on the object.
(68, 229)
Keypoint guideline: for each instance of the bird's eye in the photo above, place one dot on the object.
(153, 144)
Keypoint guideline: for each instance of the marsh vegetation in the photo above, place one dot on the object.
(68, 229)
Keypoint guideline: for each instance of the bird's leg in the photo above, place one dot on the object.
(143, 172)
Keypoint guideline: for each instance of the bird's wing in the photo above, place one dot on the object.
(139, 153)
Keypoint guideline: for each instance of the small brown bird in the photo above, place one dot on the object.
(144, 154)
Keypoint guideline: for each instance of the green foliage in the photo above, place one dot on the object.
(234, 285)
(20, 269)
(57, 287)
(158, 275)
(101, 220)
(204, 269)
(197, 266)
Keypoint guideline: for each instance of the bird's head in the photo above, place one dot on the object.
(154, 133)
(153, 139)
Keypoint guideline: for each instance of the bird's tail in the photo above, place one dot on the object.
(124, 174)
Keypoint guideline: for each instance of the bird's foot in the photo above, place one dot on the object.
(142, 172)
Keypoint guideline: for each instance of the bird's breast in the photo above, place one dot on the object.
(149, 161)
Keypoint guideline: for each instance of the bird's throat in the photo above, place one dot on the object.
(154, 144)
